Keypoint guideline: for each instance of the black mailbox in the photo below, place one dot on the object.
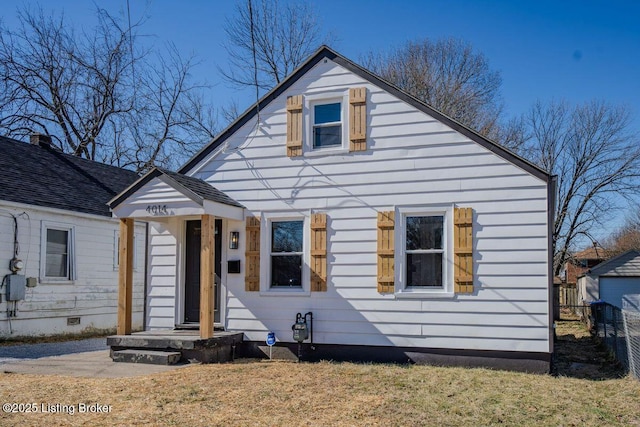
(233, 267)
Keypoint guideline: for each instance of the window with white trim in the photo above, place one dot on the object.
(326, 123)
(57, 257)
(284, 254)
(424, 251)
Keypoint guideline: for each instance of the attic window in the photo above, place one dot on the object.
(327, 125)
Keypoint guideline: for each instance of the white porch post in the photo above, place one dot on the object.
(207, 274)
(125, 276)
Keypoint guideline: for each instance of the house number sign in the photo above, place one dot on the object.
(157, 210)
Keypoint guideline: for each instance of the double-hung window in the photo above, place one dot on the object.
(57, 254)
(327, 125)
(286, 253)
(424, 251)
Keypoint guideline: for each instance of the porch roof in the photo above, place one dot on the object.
(163, 193)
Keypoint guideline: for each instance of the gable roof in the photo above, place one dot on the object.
(194, 188)
(43, 176)
(324, 52)
(625, 264)
(592, 253)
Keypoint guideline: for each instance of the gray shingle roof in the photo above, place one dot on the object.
(625, 264)
(198, 188)
(201, 188)
(43, 176)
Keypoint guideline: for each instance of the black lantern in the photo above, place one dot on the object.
(234, 237)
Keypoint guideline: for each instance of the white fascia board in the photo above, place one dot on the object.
(222, 210)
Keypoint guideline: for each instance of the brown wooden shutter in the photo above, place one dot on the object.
(294, 125)
(252, 255)
(358, 119)
(463, 250)
(319, 252)
(386, 252)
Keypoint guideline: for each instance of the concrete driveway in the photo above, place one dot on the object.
(81, 358)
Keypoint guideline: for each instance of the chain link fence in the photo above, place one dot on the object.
(619, 331)
(608, 325)
(632, 334)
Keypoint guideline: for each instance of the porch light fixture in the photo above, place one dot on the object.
(233, 240)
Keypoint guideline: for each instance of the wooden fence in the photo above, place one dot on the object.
(566, 305)
(568, 295)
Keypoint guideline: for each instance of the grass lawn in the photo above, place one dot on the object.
(293, 394)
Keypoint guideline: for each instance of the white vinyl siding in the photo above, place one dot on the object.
(412, 160)
(164, 294)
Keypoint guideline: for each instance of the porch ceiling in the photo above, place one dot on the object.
(161, 194)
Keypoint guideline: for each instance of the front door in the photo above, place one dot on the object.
(192, 271)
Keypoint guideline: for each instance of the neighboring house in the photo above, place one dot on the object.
(582, 261)
(611, 280)
(57, 234)
(406, 234)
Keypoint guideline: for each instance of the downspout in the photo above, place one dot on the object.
(551, 206)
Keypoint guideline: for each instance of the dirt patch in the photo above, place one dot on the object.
(578, 354)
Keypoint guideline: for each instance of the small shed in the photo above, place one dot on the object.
(609, 281)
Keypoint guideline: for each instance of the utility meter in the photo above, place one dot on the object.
(300, 330)
(16, 265)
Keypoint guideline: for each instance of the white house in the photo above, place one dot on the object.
(58, 256)
(611, 280)
(407, 235)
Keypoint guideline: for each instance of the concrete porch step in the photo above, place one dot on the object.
(151, 357)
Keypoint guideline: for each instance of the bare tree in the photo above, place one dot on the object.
(626, 237)
(96, 95)
(448, 75)
(597, 162)
(267, 40)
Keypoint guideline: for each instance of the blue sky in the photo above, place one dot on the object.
(544, 50)
(575, 50)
